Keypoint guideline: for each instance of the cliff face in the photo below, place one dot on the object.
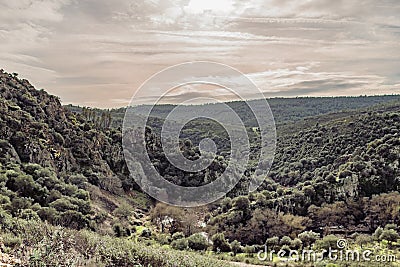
(35, 128)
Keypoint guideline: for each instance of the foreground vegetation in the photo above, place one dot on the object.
(34, 243)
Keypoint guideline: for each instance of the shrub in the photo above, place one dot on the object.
(296, 244)
(180, 244)
(197, 242)
(272, 242)
(236, 247)
(308, 238)
(163, 239)
(178, 235)
(285, 241)
(250, 250)
(220, 243)
(29, 214)
(124, 211)
(79, 180)
(63, 204)
(389, 235)
(120, 230)
(329, 241)
(11, 241)
(391, 227)
(377, 234)
(146, 233)
(363, 239)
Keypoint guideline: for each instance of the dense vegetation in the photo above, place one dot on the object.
(65, 189)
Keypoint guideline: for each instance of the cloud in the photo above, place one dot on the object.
(96, 50)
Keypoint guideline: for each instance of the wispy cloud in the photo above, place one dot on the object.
(99, 52)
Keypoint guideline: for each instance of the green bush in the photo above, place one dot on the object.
(10, 240)
(180, 244)
(250, 250)
(220, 243)
(285, 241)
(178, 235)
(236, 247)
(329, 241)
(163, 239)
(197, 242)
(29, 214)
(296, 244)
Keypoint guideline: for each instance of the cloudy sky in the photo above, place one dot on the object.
(98, 52)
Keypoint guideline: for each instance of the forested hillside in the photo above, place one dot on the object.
(66, 196)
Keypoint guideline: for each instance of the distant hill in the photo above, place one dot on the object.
(285, 110)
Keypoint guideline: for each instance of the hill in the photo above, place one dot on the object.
(66, 196)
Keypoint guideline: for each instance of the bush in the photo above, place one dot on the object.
(178, 235)
(329, 241)
(391, 227)
(124, 211)
(308, 238)
(296, 244)
(11, 241)
(220, 243)
(120, 230)
(377, 234)
(250, 250)
(389, 235)
(272, 242)
(180, 244)
(29, 214)
(197, 242)
(146, 233)
(285, 241)
(63, 204)
(236, 247)
(163, 239)
(363, 240)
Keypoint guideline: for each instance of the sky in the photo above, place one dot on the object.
(99, 52)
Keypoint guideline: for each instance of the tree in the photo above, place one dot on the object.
(383, 208)
(167, 217)
(226, 204)
(263, 224)
(242, 203)
(292, 224)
